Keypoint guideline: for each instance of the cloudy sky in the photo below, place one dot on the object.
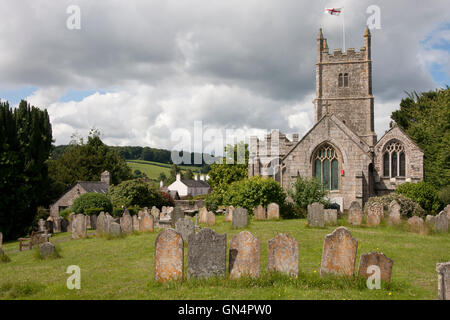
(137, 70)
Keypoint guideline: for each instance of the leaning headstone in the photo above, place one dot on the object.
(373, 219)
(443, 270)
(101, 224)
(282, 254)
(378, 259)
(259, 213)
(210, 218)
(355, 214)
(177, 214)
(155, 213)
(207, 253)
(147, 223)
(169, 256)
(135, 223)
(330, 217)
(229, 214)
(114, 229)
(316, 215)
(79, 229)
(273, 211)
(47, 249)
(126, 223)
(376, 208)
(430, 221)
(240, 218)
(203, 215)
(441, 222)
(416, 224)
(339, 253)
(185, 227)
(244, 257)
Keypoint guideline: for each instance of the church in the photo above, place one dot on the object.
(341, 150)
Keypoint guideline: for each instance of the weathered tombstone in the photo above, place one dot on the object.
(373, 219)
(430, 221)
(114, 229)
(41, 225)
(185, 227)
(210, 218)
(447, 210)
(316, 215)
(94, 221)
(170, 211)
(57, 224)
(282, 254)
(443, 270)
(207, 253)
(101, 224)
(229, 214)
(244, 257)
(378, 259)
(141, 214)
(355, 214)
(147, 223)
(394, 208)
(339, 253)
(169, 256)
(69, 227)
(203, 215)
(416, 224)
(259, 213)
(441, 222)
(79, 229)
(135, 223)
(273, 211)
(155, 213)
(330, 217)
(126, 223)
(377, 209)
(47, 249)
(177, 214)
(240, 218)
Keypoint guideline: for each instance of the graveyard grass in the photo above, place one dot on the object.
(123, 268)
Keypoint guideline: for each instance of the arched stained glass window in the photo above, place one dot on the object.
(394, 158)
(326, 167)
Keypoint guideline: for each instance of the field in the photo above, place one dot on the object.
(153, 169)
(123, 268)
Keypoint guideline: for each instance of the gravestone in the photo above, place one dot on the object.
(135, 223)
(57, 224)
(210, 218)
(259, 213)
(443, 270)
(416, 224)
(155, 213)
(140, 214)
(430, 221)
(377, 209)
(170, 211)
(101, 224)
(88, 222)
(282, 254)
(339, 253)
(240, 218)
(47, 249)
(203, 215)
(114, 229)
(355, 214)
(147, 223)
(378, 259)
(126, 223)
(185, 227)
(207, 253)
(316, 215)
(79, 230)
(373, 219)
(273, 211)
(229, 214)
(330, 217)
(177, 214)
(94, 221)
(394, 207)
(169, 256)
(244, 255)
(41, 225)
(447, 210)
(441, 222)
(395, 217)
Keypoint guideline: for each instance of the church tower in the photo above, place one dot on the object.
(344, 87)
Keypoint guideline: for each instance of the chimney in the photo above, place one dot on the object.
(105, 177)
(178, 177)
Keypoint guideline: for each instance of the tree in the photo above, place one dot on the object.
(134, 193)
(25, 145)
(162, 177)
(426, 119)
(188, 174)
(91, 200)
(307, 191)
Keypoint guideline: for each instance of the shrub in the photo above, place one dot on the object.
(65, 213)
(408, 207)
(249, 193)
(306, 191)
(423, 193)
(444, 195)
(91, 200)
(213, 201)
(166, 200)
(134, 193)
(290, 210)
(94, 211)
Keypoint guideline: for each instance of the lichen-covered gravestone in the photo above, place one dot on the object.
(416, 224)
(155, 213)
(229, 214)
(273, 211)
(41, 225)
(114, 229)
(240, 218)
(126, 223)
(259, 213)
(443, 270)
(316, 215)
(282, 254)
(101, 224)
(207, 253)
(169, 256)
(355, 214)
(394, 213)
(146, 224)
(185, 227)
(339, 253)
(244, 257)
(210, 218)
(377, 208)
(330, 217)
(135, 223)
(430, 221)
(378, 259)
(47, 250)
(441, 222)
(79, 230)
(203, 215)
(177, 214)
(373, 219)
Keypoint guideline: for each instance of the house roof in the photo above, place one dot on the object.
(195, 183)
(94, 186)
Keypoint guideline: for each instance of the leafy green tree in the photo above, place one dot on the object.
(91, 200)
(307, 191)
(162, 177)
(188, 174)
(134, 193)
(426, 120)
(25, 145)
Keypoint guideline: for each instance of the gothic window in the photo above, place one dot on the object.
(326, 167)
(340, 80)
(346, 80)
(394, 160)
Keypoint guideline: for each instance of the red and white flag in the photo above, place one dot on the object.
(333, 11)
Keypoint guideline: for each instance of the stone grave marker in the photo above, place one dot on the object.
(244, 255)
(210, 218)
(441, 222)
(169, 256)
(79, 230)
(416, 224)
(273, 211)
(447, 210)
(282, 254)
(185, 227)
(316, 215)
(155, 213)
(207, 253)
(430, 221)
(330, 217)
(88, 222)
(379, 259)
(135, 223)
(229, 214)
(41, 225)
(377, 209)
(47, 249)
(373, 219)
(126, 223)
(101, 224)
(177, 214)
(203, 215)
(339, 253)
(355, 214)
(443, 271)
(259, 213)
(240, 218)
(114, 229)
(147, 223)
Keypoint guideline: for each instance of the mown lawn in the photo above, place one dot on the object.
(123, 268)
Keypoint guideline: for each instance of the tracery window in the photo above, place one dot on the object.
(394, 160)
(326, 167)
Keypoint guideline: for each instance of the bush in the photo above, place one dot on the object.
(444, 195)
(94, 211)
(249, 193)
(166, 200)
(91, 200)
(65, 213)
(290, 210)
(306, 191)
(134, 193)
(213, 201)
(408, 207)
(423, 193)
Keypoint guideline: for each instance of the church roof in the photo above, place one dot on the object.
(94, 186)
(195, 183)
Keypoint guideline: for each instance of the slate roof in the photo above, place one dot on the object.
(195, 183)
(94, 186)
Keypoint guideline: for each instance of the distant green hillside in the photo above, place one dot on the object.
(154, 169)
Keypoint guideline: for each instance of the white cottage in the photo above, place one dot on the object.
(190, 187)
